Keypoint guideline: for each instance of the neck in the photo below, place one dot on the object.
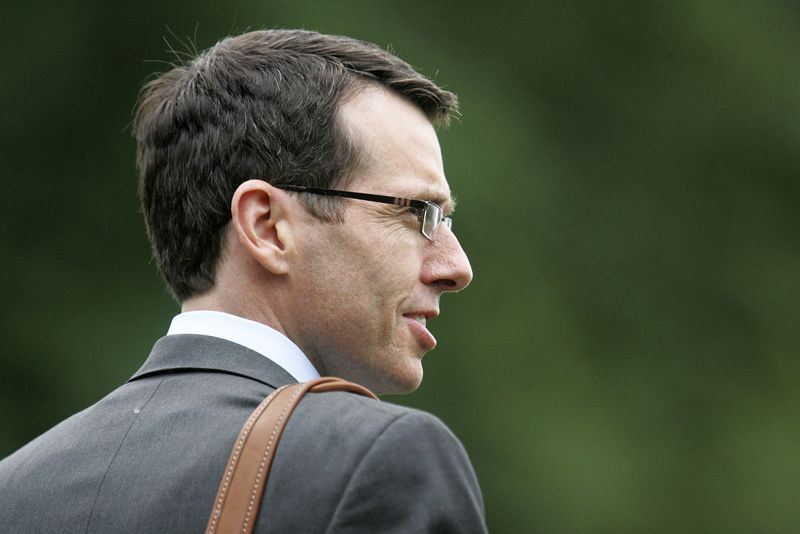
(243, 307)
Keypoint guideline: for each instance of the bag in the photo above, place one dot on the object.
(239, 494)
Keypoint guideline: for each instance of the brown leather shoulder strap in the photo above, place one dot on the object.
(239, 494)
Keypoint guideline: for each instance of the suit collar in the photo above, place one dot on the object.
(251, 334)
(191, 351)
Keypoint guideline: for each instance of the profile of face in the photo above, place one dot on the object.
(367, 287)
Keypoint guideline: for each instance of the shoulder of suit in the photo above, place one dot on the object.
(351, 416)
(338, 402)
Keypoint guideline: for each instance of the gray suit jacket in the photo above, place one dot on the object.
(149, 456)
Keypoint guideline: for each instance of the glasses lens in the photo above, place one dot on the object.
(431, 219)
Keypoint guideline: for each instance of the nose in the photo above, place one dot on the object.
(447, 265)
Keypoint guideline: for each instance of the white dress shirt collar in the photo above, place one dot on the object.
(255, 336)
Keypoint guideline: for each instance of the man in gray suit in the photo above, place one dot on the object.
(294, 194)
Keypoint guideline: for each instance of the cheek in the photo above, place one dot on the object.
(365, 277)
(392, 273)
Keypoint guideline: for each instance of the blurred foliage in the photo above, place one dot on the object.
(625, 359)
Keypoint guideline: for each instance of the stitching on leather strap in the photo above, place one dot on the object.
(254, 493)
(234, 460)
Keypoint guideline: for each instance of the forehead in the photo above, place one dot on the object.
(398, 148)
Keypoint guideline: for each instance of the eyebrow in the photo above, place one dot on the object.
(447, 203)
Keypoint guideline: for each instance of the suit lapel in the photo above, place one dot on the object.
(191, 351)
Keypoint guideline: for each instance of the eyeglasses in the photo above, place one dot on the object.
(428, 213)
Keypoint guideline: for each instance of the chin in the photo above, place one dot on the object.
(399, 383)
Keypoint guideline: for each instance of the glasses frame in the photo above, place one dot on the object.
(430, 214)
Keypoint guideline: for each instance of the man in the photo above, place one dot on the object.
(294, 194)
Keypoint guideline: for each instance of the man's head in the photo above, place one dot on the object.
(349, 281)
(261, 105)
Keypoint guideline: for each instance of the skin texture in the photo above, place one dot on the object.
(350, 294)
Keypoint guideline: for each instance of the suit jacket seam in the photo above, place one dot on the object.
(357, 468)
(198, 370)
(116, 453)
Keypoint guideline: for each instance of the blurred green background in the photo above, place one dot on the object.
(627, 172)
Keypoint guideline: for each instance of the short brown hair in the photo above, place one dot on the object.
(258, 105)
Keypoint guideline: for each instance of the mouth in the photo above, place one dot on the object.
(418, 322)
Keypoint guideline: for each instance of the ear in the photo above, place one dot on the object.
(259, 213)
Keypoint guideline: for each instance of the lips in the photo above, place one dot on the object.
(419, 318)
(417, 322)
